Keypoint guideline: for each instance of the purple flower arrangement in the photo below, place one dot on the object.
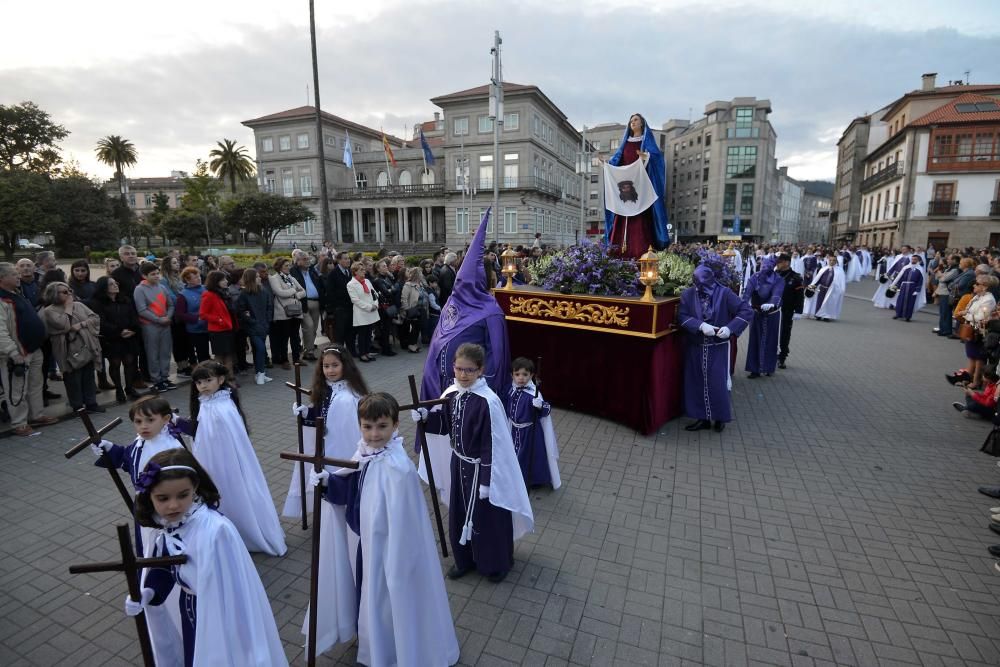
(589, 268)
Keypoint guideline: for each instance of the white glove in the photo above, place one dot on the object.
(298, 410)
(318, 478)
(707, 329)
(133, 608)
(419, 415)
(101, 447)
(484, 492)
(538, 402)
(724, 333)
(766, 307)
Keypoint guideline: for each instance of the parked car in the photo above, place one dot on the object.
(24, 244)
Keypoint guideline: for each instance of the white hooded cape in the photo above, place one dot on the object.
(223, 448)
(235, 624)
(507, 488)
(404, 618)
(834, 300)
(880, 299)
(549, 436)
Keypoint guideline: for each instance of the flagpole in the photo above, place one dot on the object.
(385, 154)
(320, 149)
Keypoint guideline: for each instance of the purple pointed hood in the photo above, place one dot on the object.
(471, 315)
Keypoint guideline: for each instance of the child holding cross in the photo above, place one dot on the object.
(403, 613)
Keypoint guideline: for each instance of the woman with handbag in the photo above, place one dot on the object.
(364, 300)
(946, 274)
(73, 329)
(387, 310)
(413, 305)
(288, 295)
(119, 335)
(974, 319)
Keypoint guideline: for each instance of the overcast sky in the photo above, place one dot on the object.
(176, 77)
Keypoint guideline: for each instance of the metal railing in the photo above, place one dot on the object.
(387, 191)
(942, 207)
(483, 185)
(887, 174)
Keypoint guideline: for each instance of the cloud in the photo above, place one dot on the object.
(599, 65)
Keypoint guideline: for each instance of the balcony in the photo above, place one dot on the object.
(892, 171)
(995, 209)
(389, 191)
(484, 185)
(942, 208)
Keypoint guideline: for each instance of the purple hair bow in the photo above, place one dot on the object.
(147, 479)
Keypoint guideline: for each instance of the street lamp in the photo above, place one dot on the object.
(583, 168)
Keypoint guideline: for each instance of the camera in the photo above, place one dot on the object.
(17, 370)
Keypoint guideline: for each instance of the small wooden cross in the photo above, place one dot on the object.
(132, 566)
(422, 444)
(94, 438)
(319, 460)
(299, 390)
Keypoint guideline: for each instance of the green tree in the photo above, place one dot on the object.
(202, 197)
(184, 226)
(161, 207)
(25, 207)
(85, 216)
(119, 153)
(231, 162)
(265, 215)
(28, 139)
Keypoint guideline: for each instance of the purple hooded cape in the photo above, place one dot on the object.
(471, 315)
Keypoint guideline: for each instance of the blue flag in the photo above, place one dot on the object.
(348, 152)
(428, 156)
(736, 225)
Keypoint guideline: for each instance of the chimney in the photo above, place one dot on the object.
(437, 116)
(928, 81)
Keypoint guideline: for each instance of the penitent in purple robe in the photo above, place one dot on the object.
(765, 286)
(466, 418)
(526, 430)
(823, 287)
(706, 358)
(910, 283)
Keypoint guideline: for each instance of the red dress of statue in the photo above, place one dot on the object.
(633, 235)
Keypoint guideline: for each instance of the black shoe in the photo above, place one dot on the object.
(168, 385)
(699, 425)
(994, 527)
(186, 372)
(753, 376)
(497, 577)
(994, 550)
(389, 353)
(50, 395)
(958, 406)
(895, 317)
(120, 396)
(781, 364)
(104, 385)
(455, 573)
(134, 395)
(96, 409)
(719, 427)
(991, 491)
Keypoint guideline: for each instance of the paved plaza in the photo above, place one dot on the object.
(836, 521)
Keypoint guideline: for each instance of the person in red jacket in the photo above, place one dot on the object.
(214, 309)
(981, 403)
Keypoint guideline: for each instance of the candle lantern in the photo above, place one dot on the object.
(649, 272)
(508, 262)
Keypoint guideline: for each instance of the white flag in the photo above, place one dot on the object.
(628, 190)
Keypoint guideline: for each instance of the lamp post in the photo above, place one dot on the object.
(583, 168)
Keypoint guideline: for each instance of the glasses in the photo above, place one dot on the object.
(465, 371)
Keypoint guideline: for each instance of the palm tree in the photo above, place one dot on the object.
(231, 162)
(119, 153)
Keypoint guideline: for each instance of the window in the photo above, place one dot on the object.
(305, 181)
(510, 175)
(536, 125)
(594, 178)
(746, 199)
(361, 181)
(330, 141)
(285, 143)
(704, 192)
(461, 220)
(427, 178)
(287, 182)
(708, 154)
(405, 178)
(149, 200)
(708, 140)
(461, 126)
(512, 121)
(594, 195)
(269, 183)
(485, 124)
(957, 149)
(309, 226)
(729, 199)
(705, 173)
(382, 180)
(741, 162)
(485, 172)
(302, 140)
(131, 200)
(509, 220)
(615, 143)
(510, 157)
(267, 144)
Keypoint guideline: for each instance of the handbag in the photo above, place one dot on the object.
(293, 309)
(892, 292)
(810, 291)
(991, 445)
(966, 332)
(78, 353)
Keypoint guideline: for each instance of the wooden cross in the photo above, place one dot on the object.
(94, 438)
(299, 390)
(319, 460)
(131, 566)
(422, 444)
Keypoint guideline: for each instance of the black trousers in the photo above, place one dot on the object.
(787, 317)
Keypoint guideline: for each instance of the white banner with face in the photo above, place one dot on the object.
(628, 190)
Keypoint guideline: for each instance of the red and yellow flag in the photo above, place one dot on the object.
(388, 150)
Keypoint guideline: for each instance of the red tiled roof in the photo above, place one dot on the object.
(942, 90)
(309, 112)
(508, 87)
(948, 113)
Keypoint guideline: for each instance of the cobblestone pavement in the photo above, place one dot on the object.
(835, 522)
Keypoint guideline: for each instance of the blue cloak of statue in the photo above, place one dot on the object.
(656, 169)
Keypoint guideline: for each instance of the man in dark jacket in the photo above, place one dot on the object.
(312, 306)
(791, 303)
(446, 277)
(338, 301)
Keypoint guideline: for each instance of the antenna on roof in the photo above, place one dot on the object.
(967, 76)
